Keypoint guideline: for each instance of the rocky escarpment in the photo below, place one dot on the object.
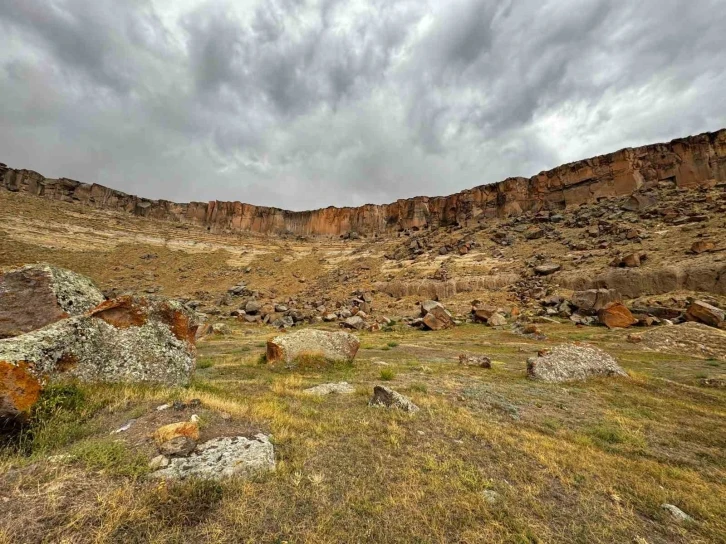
(686, 162)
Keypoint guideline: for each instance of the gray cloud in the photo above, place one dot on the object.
(303, 104)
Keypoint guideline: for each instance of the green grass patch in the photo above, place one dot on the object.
(387, 374)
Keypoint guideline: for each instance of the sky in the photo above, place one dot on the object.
(303, 104)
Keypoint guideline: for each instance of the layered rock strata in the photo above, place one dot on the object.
(686, 162)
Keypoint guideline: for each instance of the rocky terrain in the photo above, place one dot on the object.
(539, 360)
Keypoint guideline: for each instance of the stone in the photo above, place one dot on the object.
(384, 396)
(497, 320)
(179, 446)
(333, 346)
(341, 388)
(186, 429)
(631, 260)
(705, 313)
(221, 329)
(435, 316)
(329, 317)
(122, 340)
(702, 246)
(356, 322)
(470, 359)
(573, 362)
(158, 462)
(616, 315)
(252, 307)
(222, 458)
(37, 295)
(592, 300)
(546, 269)
(676, 513)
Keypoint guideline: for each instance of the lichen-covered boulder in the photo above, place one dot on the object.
(221, 458)
(37, 295)
(332, 346)
(388, 398)
(122, 340)
(572, 362)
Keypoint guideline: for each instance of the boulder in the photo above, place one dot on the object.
(122, 340)
(571, 362)
(616, 315)
(221, 458)
(689, 338)
(546, 269)
(497, 320)
(333, 346)
(592, 300)
(341, 388)
(435, 316)
(356, 322)
(469, 359)
(37, 295)
(386, 397)
(705, 313)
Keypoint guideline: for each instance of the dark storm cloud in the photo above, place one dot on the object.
(303, 104)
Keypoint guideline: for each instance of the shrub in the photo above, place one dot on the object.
(387, 374)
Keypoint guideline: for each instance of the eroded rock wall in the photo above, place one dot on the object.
(686, 162)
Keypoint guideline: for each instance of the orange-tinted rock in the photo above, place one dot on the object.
(689, 162)
(19, 389)
(188, 429)
(705, 313)
(702, 246)
(616, 315)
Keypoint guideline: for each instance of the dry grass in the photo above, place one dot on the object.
(588, 462)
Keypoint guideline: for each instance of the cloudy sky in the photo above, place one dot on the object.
(308, 103)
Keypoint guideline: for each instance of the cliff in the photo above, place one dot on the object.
(686, 162)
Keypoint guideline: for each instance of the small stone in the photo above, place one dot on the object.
(677, 514)
(497, 320)
(705, 313)
(158, 462)
(384, 396)
(188, 429)
(616, 315)
(179, 446)
(469, 359)
(702, 246)
(547, 269)
(492, 497)
(125, 427)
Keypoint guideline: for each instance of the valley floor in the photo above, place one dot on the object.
(491, 456)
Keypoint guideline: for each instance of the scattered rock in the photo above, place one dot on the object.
(592, 300)
(718, 383)
(222, 458)
(492, 497)
(675, 512)
(435, 316)
(37, 295)
(221, 329)
(179, 446)
(125, 427)
(702, 246)
(705, 313)
(570, 362)
(328, 388)
(616, 315)
(158, 462)
(497, 320)
(187, 429)
(475, 360)
(356, 322)
(384, 396)
(546, 269)
(333, 346)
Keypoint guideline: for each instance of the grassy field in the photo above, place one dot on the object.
(490, 457)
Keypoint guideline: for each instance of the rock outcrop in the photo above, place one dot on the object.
(686, 162)
(37, 295)
(122, 340)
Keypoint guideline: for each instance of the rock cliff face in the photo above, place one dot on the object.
(687, 162)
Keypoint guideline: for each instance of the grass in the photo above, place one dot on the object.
(387, 374)
(586, 462)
